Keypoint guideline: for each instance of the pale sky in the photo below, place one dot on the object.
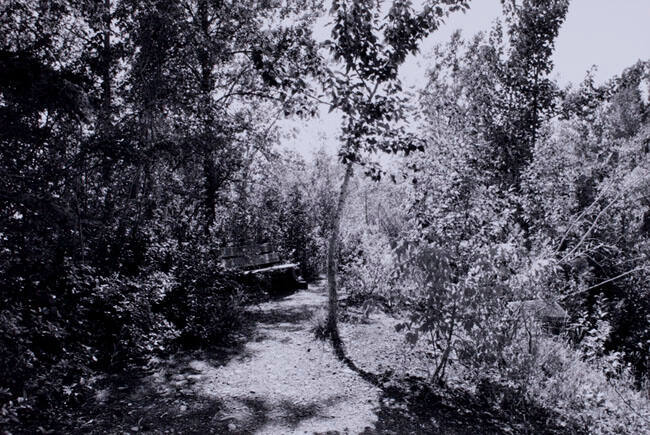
(611, 34)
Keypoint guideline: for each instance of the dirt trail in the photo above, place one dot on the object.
(281, 381)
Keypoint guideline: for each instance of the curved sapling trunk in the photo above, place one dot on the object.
(332, 330)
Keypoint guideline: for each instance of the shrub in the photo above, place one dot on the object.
(557, 377)
(315, 256)
(120, 318)
(368, 273)
(52, 350)
(319, 325)
(207, 303)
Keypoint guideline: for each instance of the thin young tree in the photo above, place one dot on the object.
(369, 42)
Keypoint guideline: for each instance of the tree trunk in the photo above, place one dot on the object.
(211, 187)
(209, 168)
(107, 60)
(332, 261)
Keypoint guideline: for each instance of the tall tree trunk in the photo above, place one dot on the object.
(104, 119)
(209, 168)
(107, 59)
(211, 188)
(332, 262)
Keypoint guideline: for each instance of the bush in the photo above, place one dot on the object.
(119, 316)
(557, 377)
(319, 325)
(51, 351)
(368, 273)
(315, 257)
(207, 303)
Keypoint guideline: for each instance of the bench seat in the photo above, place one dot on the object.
(262, 260)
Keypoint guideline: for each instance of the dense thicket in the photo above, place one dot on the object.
(136, 142)
(526, 191)
(572, 229)
(567, 220)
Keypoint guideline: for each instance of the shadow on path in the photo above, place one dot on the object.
(215, 390)
(411, 405)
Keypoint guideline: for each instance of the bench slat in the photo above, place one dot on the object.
(235, 262)
(269, 258)
(274, 268)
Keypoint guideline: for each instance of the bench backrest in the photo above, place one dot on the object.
(249, 257)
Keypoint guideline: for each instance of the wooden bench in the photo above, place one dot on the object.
(263, 260)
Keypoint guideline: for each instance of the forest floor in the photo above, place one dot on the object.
(280, 380)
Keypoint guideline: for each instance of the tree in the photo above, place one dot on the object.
(533, 27)
(370, 47)
(499, 91)
(596, 213)
(470, 250)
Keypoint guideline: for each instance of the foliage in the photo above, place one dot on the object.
(498, 91)
(368, 276)
(128, 130)
(595, 210)
(206, 304)
(599, 396)
(138, 140)
(564, 221)
(98, 323)
(369, 49)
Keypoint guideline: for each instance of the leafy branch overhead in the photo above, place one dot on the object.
(369, 45)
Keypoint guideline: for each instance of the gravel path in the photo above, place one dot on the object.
(280, 380)
(283, 381)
